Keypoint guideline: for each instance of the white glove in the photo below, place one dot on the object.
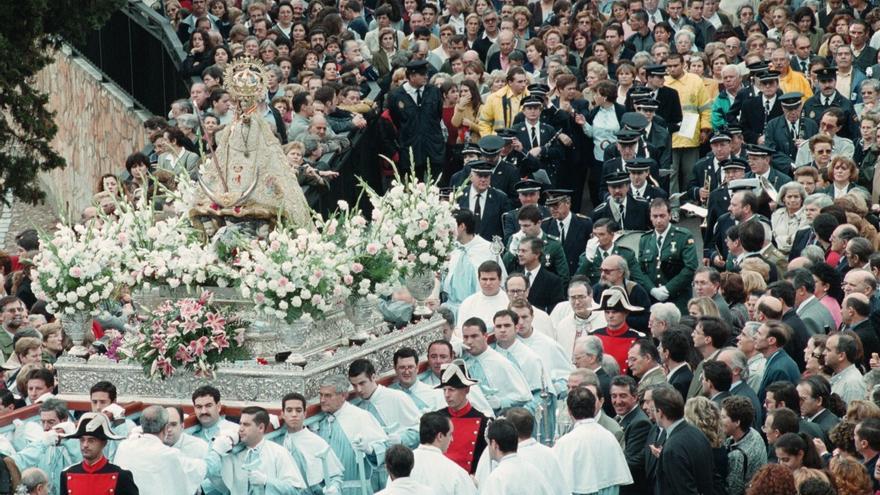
(660, 293)
(50, 438)
(222, 444)
(494, 401)
(114, 411)
(360, 445)
(257, 477)
(274, 421)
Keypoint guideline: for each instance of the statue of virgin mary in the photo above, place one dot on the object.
(246, 181)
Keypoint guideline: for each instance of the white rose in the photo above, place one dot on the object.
(296, 302)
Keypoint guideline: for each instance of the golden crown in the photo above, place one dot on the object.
(245, 80)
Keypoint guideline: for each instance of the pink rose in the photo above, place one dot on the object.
(348, 280)
(423, 225)
(357, 267)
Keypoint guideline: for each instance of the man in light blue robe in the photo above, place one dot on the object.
(406, 367)
(49, 453)
(357, 439)
(393, 409)
(502, 383)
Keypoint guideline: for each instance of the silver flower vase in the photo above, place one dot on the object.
(294, 334)
(76, 326)
(362, 313)
(420, 285)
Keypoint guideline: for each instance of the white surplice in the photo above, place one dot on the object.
(157, 468)
(542, 322)
(476, 252)
(406, 486)
(513, 476)
(572, 328)
(528, 362)
(499, 377)
(483, 307)
(426, 397)
(271, 459)
(591, 458)
(191, 446)
(398, 413)
(434, 469)
(552, 355)
(532, 453)
(321, 464)
(208, 433)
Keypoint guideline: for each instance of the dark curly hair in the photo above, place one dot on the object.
(772, 479)
(842, 436)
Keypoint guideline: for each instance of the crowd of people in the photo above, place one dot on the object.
(593, 342)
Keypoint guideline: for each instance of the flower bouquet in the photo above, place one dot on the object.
(420, 230)
(188, 334)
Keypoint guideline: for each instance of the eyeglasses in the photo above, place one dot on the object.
(516, 291)
(822, 152)
(608, 270)
(578, 298)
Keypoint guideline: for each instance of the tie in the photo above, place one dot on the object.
(804, 68)
(528, 276)
(561, 232)
(661, 438)
(827, 102)
(767, 106)
(534, 138)
(794, 133)
(602, 255)
(619, 419)
(251, 462)
(659, 243)
(622, 212)
(419, 97)
(478, 211)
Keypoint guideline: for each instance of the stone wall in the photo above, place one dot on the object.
(98, 127)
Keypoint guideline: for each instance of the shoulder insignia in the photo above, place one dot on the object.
(552, 237)
(581, 215)
(638, 200)
(546, 219)
(400, 104)
(601, 205)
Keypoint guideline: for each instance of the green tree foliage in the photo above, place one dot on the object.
(30, 30)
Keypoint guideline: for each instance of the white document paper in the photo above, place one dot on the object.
(689, 123)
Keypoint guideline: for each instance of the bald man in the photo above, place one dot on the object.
(799, 262)
(856, 312)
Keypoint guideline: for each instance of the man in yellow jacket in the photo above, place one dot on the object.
(502, 106)
(696, 124)
(790, 81)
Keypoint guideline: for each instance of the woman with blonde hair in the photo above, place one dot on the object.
(702, 306)
(858, 410)
(706, 417)
(803, 474)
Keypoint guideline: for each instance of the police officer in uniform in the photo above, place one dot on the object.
(828, 97)
(530, 169)
(470, 153)
(670, 104)
(656, 134)
(759, 164)
(529, 192)
(537, 140)
(572, 229)
(504, 175)
(605, 231)
(719, 200)
(627, 149)
(629, 212)
(485, 201)
(643, 185)
(634, 121)
(758, 110)
(788, 132)
(553, 256)
(668, 257)
(709, 167)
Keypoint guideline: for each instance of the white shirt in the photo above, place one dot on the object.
(476, 251)
(159, 469)
(191, 446)
(542, 322)
(434, 469)
(571, 328)
(472, 204)
(406, 486)
(534, 130)
(591, 458)
(321, 462)
(483, 307)
(513, 476)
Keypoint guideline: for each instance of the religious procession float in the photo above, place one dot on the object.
(233, 280)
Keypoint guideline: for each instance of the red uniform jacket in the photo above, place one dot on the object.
(469, 439)
(98, 479)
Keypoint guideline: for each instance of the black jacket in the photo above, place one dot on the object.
(580, 228)
(418, 128)
(546, 291)
(489, 224)
(753, 116)
(686, 463)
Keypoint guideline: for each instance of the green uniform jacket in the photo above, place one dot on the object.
(590, 267)
(673, 268)
(553, 258)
